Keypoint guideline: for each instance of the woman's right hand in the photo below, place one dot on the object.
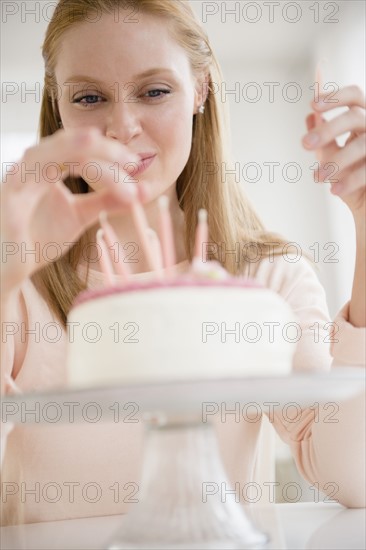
(36, 212)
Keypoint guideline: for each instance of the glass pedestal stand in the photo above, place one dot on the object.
(184, 501)
(183, 488)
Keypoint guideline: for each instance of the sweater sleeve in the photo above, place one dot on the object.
(12, 352)
(349, 345)
(328, 441)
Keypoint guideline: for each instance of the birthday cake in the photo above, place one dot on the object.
(186, 328)
(203, 324)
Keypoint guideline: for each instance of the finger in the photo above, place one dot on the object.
(353, 182)
(327, 151)
(349, 155)
(325, 154)
(353, 120)
(70, 151)
(351, 137)
(89, 206)
(101, 175)
(310, 121)
(351, 96)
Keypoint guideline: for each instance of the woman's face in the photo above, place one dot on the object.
(134, 83)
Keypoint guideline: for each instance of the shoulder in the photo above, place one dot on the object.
(282, 271)
(292, 276)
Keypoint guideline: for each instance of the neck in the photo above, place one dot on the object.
(129, 238)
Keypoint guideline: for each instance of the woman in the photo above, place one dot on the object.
(130, 87)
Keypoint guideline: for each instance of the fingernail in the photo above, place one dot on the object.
(311, 139)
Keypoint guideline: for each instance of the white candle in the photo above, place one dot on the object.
(166, 233)
(105, 260)
(142, 230)
(111, 239)
(156, 250)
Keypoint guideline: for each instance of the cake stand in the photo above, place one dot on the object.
(180, 506)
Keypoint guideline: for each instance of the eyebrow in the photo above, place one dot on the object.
(149, 72)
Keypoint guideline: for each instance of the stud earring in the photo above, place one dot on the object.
(59, 124)
(201, 109)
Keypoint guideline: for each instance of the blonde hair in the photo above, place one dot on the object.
(231, 218)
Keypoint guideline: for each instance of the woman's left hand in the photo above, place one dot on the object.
(346, 165)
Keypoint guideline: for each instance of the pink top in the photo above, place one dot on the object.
(62, 465)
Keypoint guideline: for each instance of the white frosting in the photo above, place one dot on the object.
(180, 333)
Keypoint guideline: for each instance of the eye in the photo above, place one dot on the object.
(157, 93)
(89, 100)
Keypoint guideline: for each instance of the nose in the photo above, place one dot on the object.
(123, 122)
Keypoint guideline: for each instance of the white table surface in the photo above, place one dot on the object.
(290, 526)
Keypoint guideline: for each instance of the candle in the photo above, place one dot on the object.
(201, 235)
(318, 116)
(156, 250)
(111, 239)
(105, 260)
(319, 81)
(142, 230)
(166, 233)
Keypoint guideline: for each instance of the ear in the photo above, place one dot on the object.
(201, 91)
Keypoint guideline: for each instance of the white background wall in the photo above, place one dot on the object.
(275, 50)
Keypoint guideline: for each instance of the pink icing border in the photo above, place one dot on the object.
(160, 284)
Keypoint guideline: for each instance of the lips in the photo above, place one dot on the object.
(146, 159)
